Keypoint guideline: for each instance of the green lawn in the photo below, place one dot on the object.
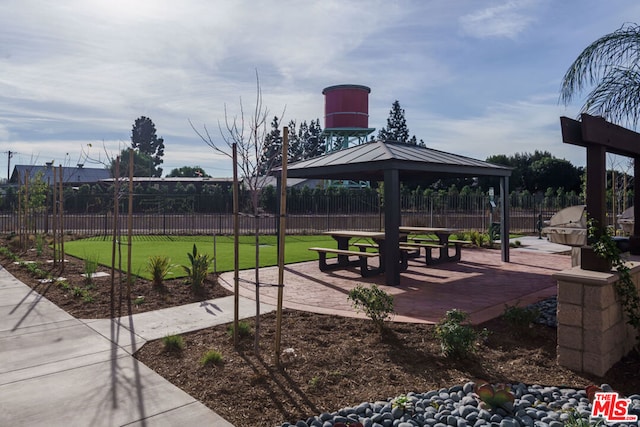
(177, 247)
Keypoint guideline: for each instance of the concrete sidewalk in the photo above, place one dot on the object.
(56, 370)
(540, 245)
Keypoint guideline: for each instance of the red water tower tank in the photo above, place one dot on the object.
(346, 106)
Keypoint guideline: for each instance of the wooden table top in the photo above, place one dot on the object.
(356, 233)
(427, 230)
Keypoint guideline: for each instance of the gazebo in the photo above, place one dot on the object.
(393, 163)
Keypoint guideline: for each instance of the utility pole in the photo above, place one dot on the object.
(9, 156)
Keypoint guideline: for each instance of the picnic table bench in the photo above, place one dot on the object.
(343, 261)
(408, 249)
(442, 243)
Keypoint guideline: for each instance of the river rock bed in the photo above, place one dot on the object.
(459, 406)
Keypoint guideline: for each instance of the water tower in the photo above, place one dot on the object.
(346, 116)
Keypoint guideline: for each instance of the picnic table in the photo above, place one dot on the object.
(364, 241)
(442, 243)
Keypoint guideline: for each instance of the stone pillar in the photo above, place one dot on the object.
(592, 331)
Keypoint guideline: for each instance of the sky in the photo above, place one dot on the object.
(475, 78)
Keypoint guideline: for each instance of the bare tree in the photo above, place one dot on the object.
(249, 135)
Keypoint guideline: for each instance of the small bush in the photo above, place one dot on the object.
(39, 244)
(80, 292)
(211, 357)
(173, 343)
(197, 272)
(315, 382)
(5, 251)
(244, 329)
(158, 266)
(64, 285)
(476, 238)
(520, 318)
(374, 302)
(457, 339)
(34, 269)
(90, 267)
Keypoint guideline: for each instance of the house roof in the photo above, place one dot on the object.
(368, 161)
(70, 175)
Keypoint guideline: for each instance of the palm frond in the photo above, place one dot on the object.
(618, 49)
(616, 97)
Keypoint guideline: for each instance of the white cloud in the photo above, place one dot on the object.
(81, 71)
(523, 126)
(507, 19)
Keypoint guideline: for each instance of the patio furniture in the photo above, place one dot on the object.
(343, 239)
(442, 243)
(365, 271)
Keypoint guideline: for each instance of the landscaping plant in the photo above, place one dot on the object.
(493, 397)
(244, 329)
(173, 343)
(457, 340)
(90, 267)
(197, 272)
(604, 246)
(158, 266)
(402, 402)
(520, 318)
(211, 357)
(374, 302)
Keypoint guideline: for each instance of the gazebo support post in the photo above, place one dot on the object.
(596, 187)
(391, 226)
(504, 218)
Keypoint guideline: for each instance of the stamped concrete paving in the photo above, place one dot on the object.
(480, 284)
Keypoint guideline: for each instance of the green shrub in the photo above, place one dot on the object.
(520, 318)
(34, 269)
(457, 339)
(84, 293)
(494, 397)
(197, 272)
(376, 303)
(39, 244)
(64, 285)
(90, 267)
(244, 329)
(476, 238)
(402, 402)
(173, 343)
(5, 251)
(211, 357)
(158, 266)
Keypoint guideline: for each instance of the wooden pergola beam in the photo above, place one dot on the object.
(601, 137)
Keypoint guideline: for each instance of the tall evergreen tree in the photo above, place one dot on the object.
(272, 149)
(296, 146)
(314, 142)
(145, 141)
(396, 129)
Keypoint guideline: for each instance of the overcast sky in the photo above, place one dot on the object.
(475, 77)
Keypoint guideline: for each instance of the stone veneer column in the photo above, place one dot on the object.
(592, 331)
